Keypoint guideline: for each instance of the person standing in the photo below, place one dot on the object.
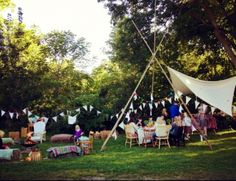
(201, 118)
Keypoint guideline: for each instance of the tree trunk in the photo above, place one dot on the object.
(220, 36)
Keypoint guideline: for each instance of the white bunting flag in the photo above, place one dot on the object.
(17, 115)
(78, 109)
(29, 113)
(144, 104)
(170, 100)
(122, 125)
(187, 99)
(140, 107)
(11, 114)
(62, 114)
(98, 112)
(196, 104)
(111, 117)
(117, 115)
(85, 107)
(212, 109)
(2, 112)
(91, 108)
(135, 111)
(24, 110)
(71, 119)
(156, 104)
(163, 103)
(54, 118)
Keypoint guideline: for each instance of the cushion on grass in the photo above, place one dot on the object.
(62, 138)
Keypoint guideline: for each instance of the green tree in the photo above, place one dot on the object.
(203, 25)
(63, 45)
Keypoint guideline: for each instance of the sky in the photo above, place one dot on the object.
(85, 18)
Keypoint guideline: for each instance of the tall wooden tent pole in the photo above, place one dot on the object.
(123, 110)
(181, 100)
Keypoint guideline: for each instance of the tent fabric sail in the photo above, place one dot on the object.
(216, 93)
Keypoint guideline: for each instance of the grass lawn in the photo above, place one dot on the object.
(195, 161)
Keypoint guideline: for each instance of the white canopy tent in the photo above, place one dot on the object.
(216, 93)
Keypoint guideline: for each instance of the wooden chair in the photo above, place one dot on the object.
(130, 137)
(148, 136)
(162, 132)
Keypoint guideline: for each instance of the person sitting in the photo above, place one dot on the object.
(176, 131)
(2, 146)
(187, 125)
(28, 139)
(78, 132)
(160, 120)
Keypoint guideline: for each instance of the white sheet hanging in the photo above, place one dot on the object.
(216, 93)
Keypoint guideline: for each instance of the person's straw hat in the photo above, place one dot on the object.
(2, 133)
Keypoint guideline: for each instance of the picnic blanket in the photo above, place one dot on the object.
(60, 150)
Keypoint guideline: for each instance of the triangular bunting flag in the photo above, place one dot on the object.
(29, 113)
(91, 108)
(196, 104)
(78, 109)
(187, 99)
(212, 109)
(2, 112)
(98, 112)
(24, 110)
(117, 115)
(156, 104)
(54, 118)
(11, 114)
(85, 107)
(140, 107)
(122, 125)
(135, 111)
(170, 100)
(144, 104)
(163, 103)
(17, 115)
(62, 114)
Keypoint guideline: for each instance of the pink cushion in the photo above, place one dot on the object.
(62, 138)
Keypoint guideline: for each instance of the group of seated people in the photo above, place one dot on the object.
(180, 127)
